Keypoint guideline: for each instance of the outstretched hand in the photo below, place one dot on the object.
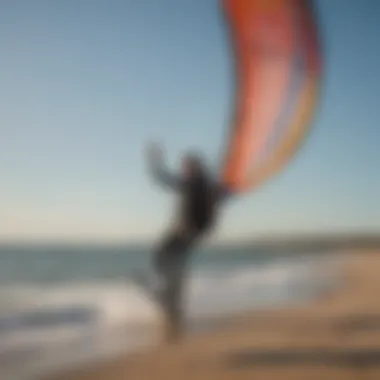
(154, 152)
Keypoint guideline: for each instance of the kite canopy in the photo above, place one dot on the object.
(278, 66)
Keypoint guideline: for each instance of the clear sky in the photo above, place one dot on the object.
(84, 83)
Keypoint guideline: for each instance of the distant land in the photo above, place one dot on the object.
(311, 242)
(286, 242)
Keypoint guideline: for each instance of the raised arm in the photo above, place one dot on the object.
(159, 172)
(164, 177)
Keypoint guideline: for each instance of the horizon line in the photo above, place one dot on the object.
(256, 238)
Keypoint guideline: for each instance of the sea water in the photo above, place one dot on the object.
(62, 306)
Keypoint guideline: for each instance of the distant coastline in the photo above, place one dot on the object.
(284, 242)
(311, 242)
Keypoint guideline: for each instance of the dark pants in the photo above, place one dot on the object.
(170, 263)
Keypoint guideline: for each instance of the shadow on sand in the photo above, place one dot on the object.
(346, 357)
(340, 358)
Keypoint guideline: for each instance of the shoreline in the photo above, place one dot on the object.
(107, 319)
(332, 337)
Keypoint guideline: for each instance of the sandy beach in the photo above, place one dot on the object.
(334, 337)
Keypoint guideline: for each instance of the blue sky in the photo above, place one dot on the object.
(84, 83)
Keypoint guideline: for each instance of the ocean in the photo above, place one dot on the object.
(62, 306)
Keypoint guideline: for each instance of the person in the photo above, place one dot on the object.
(200, 199)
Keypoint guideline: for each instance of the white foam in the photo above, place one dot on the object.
(92, 319)
(245, 288)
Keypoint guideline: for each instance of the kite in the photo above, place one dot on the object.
(278, 70)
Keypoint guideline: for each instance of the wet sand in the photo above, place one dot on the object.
(334, 337)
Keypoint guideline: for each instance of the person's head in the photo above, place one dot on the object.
(192, 165)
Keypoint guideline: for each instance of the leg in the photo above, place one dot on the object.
(170, 263)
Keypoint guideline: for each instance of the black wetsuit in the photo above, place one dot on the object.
(199, 199)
